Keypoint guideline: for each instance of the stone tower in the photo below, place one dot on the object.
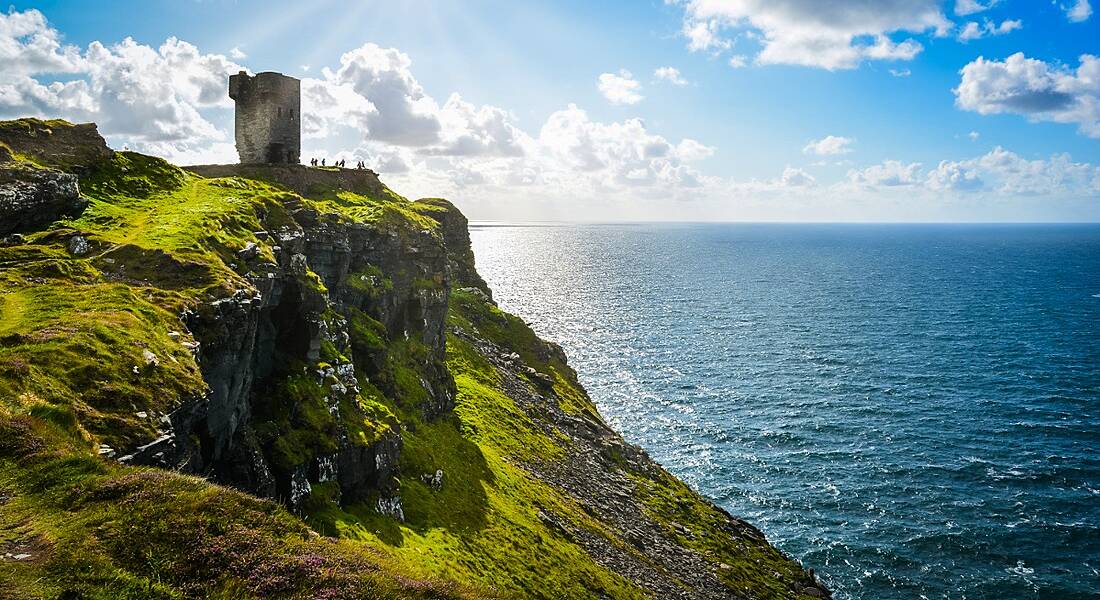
(269, 117)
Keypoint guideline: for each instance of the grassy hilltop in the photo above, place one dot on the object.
(504, 481)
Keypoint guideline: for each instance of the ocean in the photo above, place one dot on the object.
(911, 410)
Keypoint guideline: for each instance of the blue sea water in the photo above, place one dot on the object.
(912, 410)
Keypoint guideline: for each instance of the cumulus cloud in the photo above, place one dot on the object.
(620, 88)
(615, 154)
(671, 75)
(829, 35)
(375, 95)
(150, 98)
(1000, 172)
(1035, 89)
(328, 106)
(28, 46)
(891, 173)
(793, 177)
(237, 54)
(1079, 11)
(469, 130)
(954, 176)
(969, 7)
(704, 35)
(739, 61)
(831, 145)
(405, 115)
(973, 31)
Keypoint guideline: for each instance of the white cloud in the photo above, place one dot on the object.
(999, 173)
(405, 114)
(973, 31)
(139, 95)
(704, 36)
(671, 75)
(973, 135)
(954, 176)
(831, 145)
(793, 177)
(969, 7)
(615, 154)
(1035, 89)
(237, 54)
(328, 106)
(1079, 12)
(28, 45)
(829, 35)
(900, 72)
(1011, 174)
(891, 173)
(374, 94)
(738, 61)
(470, 130)
(620, 88)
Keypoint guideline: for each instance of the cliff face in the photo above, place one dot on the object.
(311, 338)
(330, 290)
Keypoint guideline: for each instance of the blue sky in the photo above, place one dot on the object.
(731, 136)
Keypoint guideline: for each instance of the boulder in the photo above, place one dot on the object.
(78, 246)
(31, 198)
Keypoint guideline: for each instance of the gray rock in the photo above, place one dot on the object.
(249, 252)
(78, 245)
(435, 480)
(32, 198)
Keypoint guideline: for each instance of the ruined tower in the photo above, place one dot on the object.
(269, 117)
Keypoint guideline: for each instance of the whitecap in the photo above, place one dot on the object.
(1021, 569)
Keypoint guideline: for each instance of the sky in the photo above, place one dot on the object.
(673, 110)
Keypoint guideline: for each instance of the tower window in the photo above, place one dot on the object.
(280, 109)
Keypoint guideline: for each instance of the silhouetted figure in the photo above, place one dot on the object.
(323, 162)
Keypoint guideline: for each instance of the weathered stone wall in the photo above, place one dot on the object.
(303, 180)
(268, 117)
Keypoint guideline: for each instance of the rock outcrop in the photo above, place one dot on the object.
(39, 164)
(398, 282)
(31, 198)
(57, 144)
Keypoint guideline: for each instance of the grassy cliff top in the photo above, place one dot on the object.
(93, 354)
